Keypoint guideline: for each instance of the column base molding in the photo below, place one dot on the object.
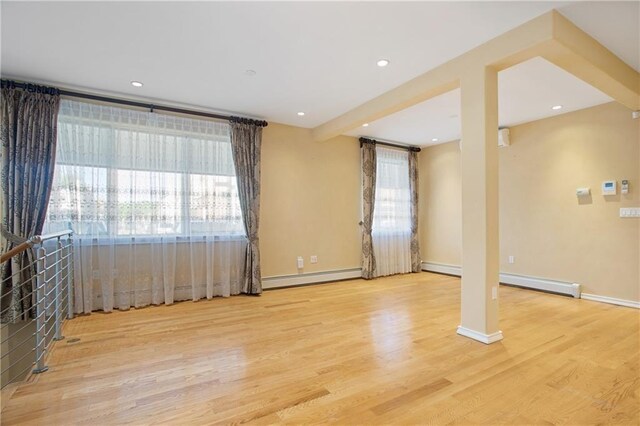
(480, 337)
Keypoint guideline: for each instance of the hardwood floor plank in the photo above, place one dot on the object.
(354, 352)
(410, 397)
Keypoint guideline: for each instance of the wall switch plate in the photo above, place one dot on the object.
(512, 259)
(494, 292)
(314, 259)
(630, 212)
(300, 262)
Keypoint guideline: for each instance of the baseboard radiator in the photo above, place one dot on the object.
(553, 286)
(295, 280)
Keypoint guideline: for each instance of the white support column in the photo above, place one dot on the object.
(480, 239)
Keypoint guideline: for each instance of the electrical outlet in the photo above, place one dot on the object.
(314, 259)
(512, 259)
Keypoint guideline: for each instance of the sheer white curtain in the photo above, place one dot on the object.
(392, 212)
(154, 205)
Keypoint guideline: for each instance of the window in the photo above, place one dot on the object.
(392, 211)
(125, 173)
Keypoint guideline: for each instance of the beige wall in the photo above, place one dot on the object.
(310, 201)
(440, 197)
(551, 234)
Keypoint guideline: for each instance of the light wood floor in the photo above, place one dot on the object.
(353, 352)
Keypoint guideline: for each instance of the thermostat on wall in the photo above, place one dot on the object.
(609, 187)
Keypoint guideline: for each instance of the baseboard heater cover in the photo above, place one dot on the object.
(552, 286)
(560, 287)
(310, 278)
(442, 268)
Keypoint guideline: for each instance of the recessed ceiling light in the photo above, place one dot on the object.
(136, 84)
(250, 73)
(382, 62)
(365, 125)
(301, 113)
(556, 107)
(434, 140)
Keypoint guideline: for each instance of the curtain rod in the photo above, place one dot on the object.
(151, 107)
(395, 145)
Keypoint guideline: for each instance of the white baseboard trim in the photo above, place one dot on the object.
(554, 286)
(480, 337)
(611, 300)
(442, 268)
(310, 278)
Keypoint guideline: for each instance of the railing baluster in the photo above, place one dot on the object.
(70, 275)
(58, 292)
(40, 310)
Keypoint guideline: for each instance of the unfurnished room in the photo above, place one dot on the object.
(315, 212)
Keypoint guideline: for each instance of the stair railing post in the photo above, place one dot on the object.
(40, 310)
(57, 291)
(70, 277)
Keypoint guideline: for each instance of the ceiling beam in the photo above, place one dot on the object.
(578, 53)
(550, 35)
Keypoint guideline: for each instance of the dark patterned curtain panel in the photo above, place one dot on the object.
(369, 164)
(28, 136)
(246, 141)
(413, 186)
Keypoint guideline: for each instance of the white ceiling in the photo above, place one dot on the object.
(615, 24)
(526, 93)
(316, 57)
